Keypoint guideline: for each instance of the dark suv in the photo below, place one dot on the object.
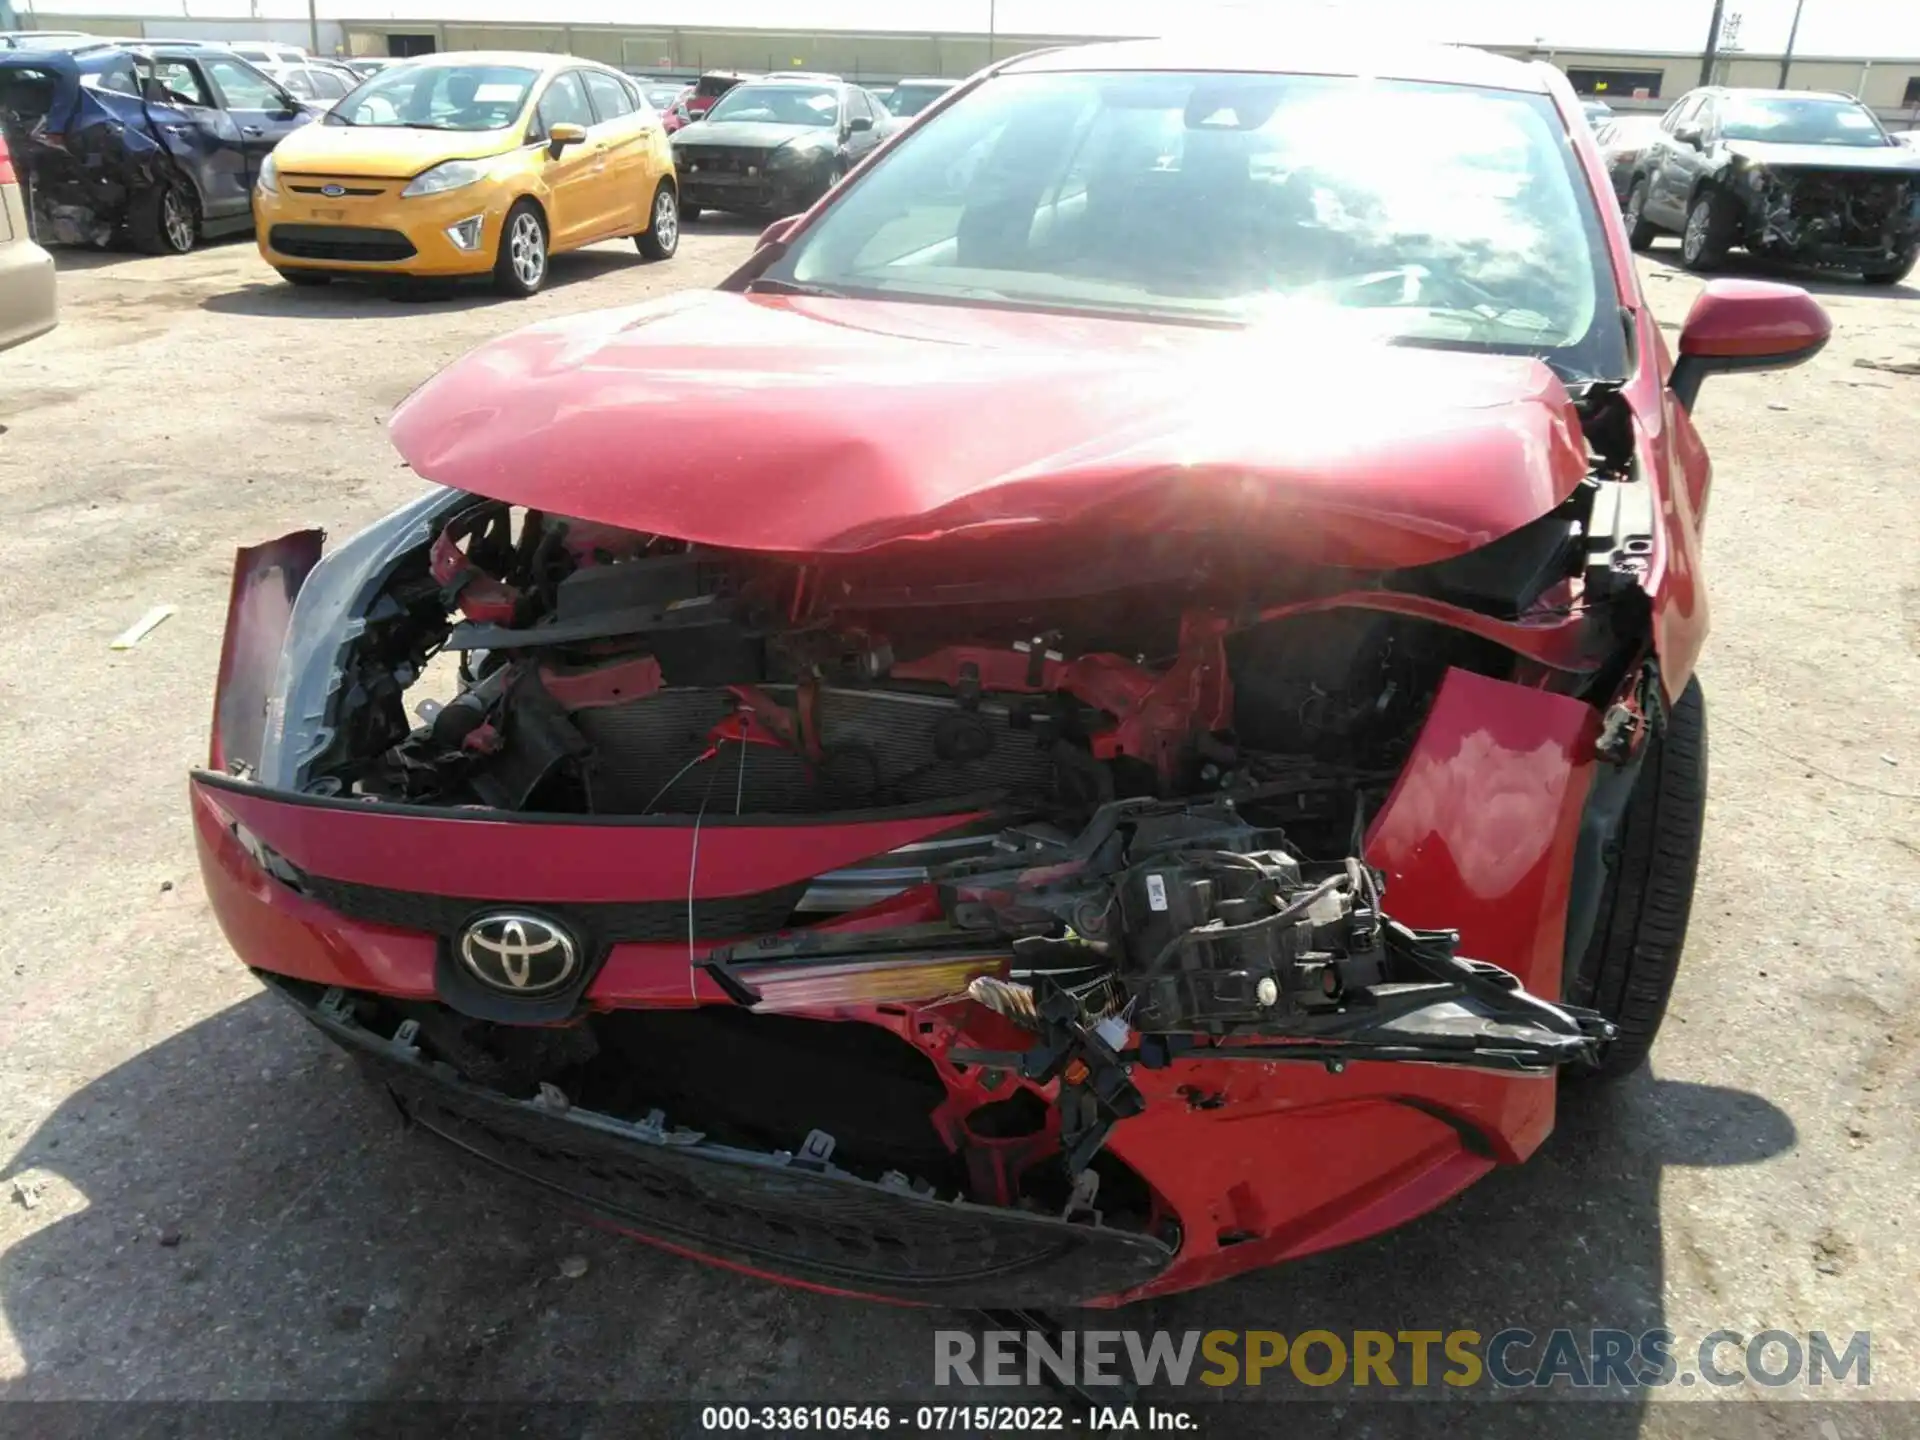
(1791, 174)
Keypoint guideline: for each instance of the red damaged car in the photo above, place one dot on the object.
(1114, 708)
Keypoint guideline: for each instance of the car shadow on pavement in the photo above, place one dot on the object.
(86, 257)
(232, 1214)
(374, 297)
(1742, 266)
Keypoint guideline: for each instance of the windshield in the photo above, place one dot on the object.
(912, 99)
(1429, 213)
(1791, 120)
(661, 97)
(438, 97)
(778, 105)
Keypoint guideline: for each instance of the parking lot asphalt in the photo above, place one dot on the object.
(197, 1199)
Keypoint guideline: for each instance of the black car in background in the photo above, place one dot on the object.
(159, 144)
(1790, 174)
(1624, 141)
(775, 145)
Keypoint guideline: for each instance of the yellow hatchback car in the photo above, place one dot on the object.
(469, 164)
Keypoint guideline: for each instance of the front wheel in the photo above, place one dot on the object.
(662, 235)
(1639, 233)
(520, 268)
(1709, 233)
(1633, 958)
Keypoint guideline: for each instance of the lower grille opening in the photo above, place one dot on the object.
(339, 242)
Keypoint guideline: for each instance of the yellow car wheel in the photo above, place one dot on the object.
(520, 268)
(662, 235)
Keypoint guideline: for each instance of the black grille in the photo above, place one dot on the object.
(339, 242)
(320, 188)
(726, 159)
(629, 922)
(880, 748)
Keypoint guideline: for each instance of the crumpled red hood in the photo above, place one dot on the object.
(816, 427)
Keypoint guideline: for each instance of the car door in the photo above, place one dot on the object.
(1670, 174)
(264, 112)
(624, 138)
(203, 139)
(575, 174)
(1692, 154)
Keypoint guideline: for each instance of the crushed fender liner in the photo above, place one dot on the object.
(796, 1214)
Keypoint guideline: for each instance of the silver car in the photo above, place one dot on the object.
(26, 271)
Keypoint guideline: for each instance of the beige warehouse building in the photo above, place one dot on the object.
(1627, 79)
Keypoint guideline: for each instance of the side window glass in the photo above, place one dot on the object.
(298, 82)
(610, 98)
(327, 85)
(175, 82)
(565, 103)
(244, 87)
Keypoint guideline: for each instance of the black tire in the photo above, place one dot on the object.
(1896, 273)
(689, 213)
(662, 235)
(304, 278)
(1640, 232)
(1628, 971)
(520, 263)
(163, 219)
(1710, 231)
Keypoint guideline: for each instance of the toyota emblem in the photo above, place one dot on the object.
(333, 191)
(518, 953)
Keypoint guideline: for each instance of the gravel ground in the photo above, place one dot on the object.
(195, 1203)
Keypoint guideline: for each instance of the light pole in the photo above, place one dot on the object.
(1713, 43)
(993, 7)
(1793, 33)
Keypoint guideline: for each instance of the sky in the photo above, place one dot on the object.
(1867, 28)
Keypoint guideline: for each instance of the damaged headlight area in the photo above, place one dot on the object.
(1830, 216)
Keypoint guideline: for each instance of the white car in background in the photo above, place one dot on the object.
(318, 83)
(266, 53)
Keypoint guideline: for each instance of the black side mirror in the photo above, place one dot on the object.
(859, 123)
(1687, 135)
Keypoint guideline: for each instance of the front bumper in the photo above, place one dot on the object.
(372, 230)
(794, 1214)
(1232, 1165)
(784, 192)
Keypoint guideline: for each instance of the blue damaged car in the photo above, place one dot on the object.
(155, 144)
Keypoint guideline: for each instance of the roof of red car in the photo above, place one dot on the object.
(1436, 64)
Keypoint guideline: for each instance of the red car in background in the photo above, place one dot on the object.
(700, 96)
(1018, 752)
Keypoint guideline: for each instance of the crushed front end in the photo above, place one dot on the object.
(1836, 218)
(995, 932)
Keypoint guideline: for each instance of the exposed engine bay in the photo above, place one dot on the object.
(1161, 766)
(1819, 214)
